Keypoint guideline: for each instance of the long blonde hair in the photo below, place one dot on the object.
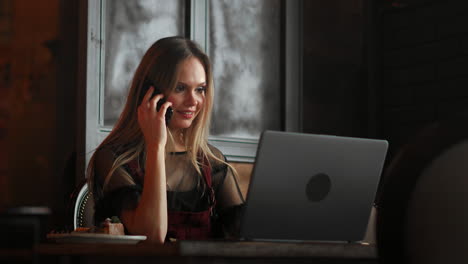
(160, 65)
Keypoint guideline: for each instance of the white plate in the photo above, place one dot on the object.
(76, 237)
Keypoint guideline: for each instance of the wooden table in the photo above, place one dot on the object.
(207, 252)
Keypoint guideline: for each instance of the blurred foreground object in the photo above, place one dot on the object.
(423, 208)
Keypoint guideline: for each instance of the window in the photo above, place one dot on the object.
(254, 46)
(244, 43)
(130, 27)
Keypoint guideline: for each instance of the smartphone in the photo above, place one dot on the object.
(146, 85)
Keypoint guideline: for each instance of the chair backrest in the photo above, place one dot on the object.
(83, 213)
(422, 213)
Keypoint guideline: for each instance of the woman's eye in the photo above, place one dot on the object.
(179, 88)
(201, 89)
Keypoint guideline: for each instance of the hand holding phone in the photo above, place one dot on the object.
(146, 85)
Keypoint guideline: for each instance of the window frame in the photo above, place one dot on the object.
(236, 149)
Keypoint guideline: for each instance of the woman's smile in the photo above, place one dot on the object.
(186, 114)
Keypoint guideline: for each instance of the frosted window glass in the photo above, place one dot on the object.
(130, 28)
(244, 46)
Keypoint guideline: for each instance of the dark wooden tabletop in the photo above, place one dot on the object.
(217, 249)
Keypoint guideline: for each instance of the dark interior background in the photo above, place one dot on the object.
(372, 68)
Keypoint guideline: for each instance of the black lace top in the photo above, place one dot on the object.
(186, 190)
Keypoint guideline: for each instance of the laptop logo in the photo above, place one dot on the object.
(318, 187)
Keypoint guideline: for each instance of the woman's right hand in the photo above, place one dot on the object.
(152, 122)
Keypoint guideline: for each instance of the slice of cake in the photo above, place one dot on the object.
(111, 227)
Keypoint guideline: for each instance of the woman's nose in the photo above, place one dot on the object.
(190, 98)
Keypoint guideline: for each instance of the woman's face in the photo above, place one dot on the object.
(189, 96)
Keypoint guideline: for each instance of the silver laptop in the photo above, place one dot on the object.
(312, 187)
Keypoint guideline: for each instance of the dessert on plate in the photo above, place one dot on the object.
(110, 226)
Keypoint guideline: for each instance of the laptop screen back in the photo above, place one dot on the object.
(312, 187)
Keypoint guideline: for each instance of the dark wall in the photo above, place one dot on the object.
(424, 65)
(38, 100)
(335, 91)
(383, 69)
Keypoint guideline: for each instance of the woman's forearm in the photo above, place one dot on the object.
(150, 216)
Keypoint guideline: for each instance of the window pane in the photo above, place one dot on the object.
(130, 28)
(244, 45)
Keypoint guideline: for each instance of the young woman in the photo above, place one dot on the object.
(161, 177)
